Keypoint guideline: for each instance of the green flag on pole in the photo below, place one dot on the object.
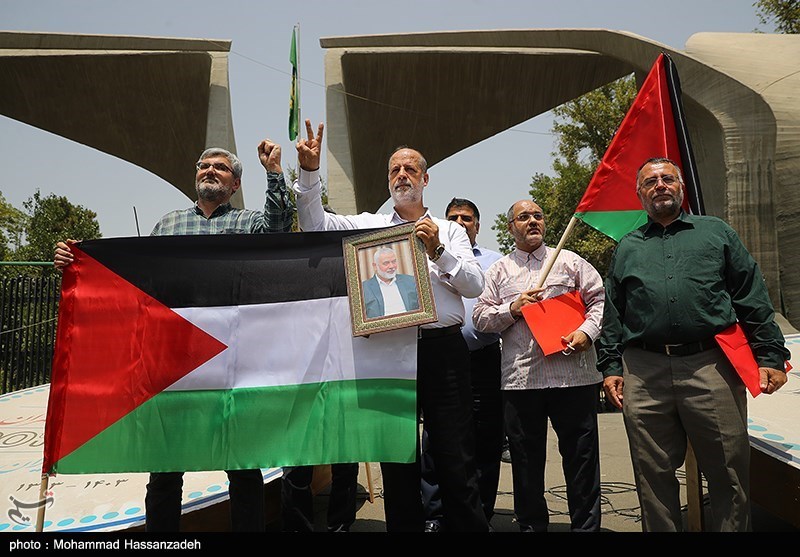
(294, 96)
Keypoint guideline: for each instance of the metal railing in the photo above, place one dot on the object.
(28, 318)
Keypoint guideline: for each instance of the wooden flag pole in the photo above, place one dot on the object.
(549, 264)
(42, 503)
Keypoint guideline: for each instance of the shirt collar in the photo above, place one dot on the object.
(397, 219)
(525, 256)
(684, 220)
(221, 210)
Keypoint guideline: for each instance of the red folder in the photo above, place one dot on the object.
(553, 318)
(737, 349)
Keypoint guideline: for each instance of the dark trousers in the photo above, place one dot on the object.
(573, 415)
(487, 413)
(444, 396)
(164, 493)
(297, 501)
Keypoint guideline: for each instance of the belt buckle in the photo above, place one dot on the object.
(667, 347)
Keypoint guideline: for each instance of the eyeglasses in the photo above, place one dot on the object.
(668, 180)
(525, 217)
(218, 166)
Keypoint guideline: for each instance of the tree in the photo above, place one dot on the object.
(12, 226)
(46, 220)
(584, 128)
(783, 14)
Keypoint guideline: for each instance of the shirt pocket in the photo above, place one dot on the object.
(558, 284)
(510, 291)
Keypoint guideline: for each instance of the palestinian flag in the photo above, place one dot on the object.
(653, 127)
(180, 353)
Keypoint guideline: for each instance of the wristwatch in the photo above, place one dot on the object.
(437, 253)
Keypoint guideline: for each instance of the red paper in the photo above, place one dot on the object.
(553, 318)
(737, 349)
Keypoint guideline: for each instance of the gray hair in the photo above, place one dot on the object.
(236, 164)
(422, 162)
(380, 252)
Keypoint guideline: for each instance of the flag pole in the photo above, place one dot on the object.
(550, 262)
(294, 127)
(297, 54)
(42, 505)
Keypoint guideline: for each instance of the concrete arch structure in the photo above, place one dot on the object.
(158, 102)
(443, 92)
(154, 102)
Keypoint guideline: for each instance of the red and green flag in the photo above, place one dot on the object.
(654, 126)
(221, 352)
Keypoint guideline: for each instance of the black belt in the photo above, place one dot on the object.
(438, 332)
(676, 349)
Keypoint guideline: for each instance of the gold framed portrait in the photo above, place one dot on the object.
(388, 285)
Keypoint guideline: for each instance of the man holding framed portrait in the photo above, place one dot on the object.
(443, 380)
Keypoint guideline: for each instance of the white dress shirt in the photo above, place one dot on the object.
(392, 300)
(457, 273)
(524, 365)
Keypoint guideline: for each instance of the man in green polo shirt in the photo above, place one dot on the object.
(673, 284)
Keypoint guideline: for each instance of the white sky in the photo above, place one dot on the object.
(493, 173)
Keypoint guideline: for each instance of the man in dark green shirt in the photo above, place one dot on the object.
(673, 284)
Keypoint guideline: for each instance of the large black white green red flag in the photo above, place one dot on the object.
(179, 353)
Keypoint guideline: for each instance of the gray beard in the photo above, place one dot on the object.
(411, 196)
(667, 208)
(210, 192)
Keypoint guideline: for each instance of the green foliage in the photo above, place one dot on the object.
(504, 240)
(586, 125)
(12, 227)
(45, 221)
(584, 128)
(784, 15)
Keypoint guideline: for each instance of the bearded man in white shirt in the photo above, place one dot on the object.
(444, 392)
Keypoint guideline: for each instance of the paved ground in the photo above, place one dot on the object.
(620, 506)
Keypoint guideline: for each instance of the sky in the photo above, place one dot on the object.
(493, 173)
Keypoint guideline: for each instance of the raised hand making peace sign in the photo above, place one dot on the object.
(308, 150)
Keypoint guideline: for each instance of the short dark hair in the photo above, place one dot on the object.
(461, 202)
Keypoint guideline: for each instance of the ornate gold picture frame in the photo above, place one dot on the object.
(388, 285)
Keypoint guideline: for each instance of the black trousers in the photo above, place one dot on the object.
(487, 413)
(297, 501)
(162, 502)
(444, 396)
(573, 414)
